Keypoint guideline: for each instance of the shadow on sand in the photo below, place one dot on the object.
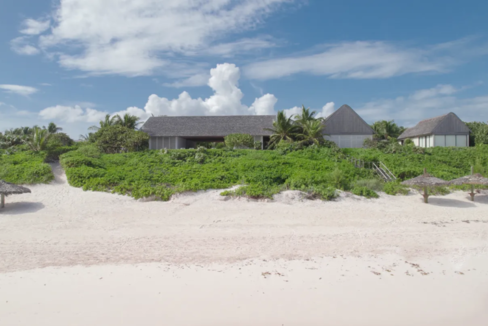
(480, 198)
(23, 207)
(447, 202)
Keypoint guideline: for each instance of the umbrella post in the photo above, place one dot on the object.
(472, 193)
(2, 201)
(426, 195)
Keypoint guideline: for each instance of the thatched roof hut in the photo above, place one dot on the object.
(7, 189)
(473, 179)
(425, 180)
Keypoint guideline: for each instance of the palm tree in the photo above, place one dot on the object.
(306, 116)
(38, 139)
(53, 129)
(109, 121)
(312, 132)
(387, 129)
(128, 121)
(283, 129)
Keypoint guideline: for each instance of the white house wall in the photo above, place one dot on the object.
(452, 140)
(349, 141)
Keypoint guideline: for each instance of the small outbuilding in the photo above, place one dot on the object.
(346, 128)
(445, 131)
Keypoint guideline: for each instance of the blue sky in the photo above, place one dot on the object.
(73, 61)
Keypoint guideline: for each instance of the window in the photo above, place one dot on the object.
(450, 140)
(461, 141)
(440, 140)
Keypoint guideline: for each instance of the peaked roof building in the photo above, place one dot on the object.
(448, 124)
(346, 128)
(345, 121)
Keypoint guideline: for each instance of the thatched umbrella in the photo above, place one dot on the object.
(425, 180)
(7, 188)
(473, 179)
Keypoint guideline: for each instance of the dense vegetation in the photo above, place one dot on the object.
(443, 162)
(478, 134)
(316, 171)
(25, 167)
(24, 152)
(114, 157)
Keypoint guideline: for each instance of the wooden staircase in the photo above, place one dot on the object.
(379, 167)
(383, 171)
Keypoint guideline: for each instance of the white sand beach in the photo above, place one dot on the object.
(69, 257)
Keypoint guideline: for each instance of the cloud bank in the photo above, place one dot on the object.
(144, 36)
(353, 60)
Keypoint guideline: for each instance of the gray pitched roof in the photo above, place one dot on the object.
(345, 121)
(207, 126)
(447, 124)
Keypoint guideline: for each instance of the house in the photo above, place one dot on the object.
(446, 130)
(185, 131)
(346, 128)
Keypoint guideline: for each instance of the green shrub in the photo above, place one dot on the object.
(200, 157)
(53, 153)
(394, 188)
(90, 150)
(254, 191)
(78, 176)
(118, 139)
(239, 141)
(373, 184)
(321, 192)
(365, 192)
(338, 179)
(25, 167)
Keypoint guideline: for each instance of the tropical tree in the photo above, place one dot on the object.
(53, 128)
(37, 141)
(312, 132)
(118, 139)
(387, 129)
(284, 129)
(107, 122)
(10, 140)
(128, 121)
(478, 133)
(306, 116)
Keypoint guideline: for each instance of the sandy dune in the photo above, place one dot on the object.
(69, 257)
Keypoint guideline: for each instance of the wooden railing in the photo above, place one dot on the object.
(379, 167)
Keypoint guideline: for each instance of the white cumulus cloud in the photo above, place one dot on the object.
(19, 89)
(226, 100)
(72, 114)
